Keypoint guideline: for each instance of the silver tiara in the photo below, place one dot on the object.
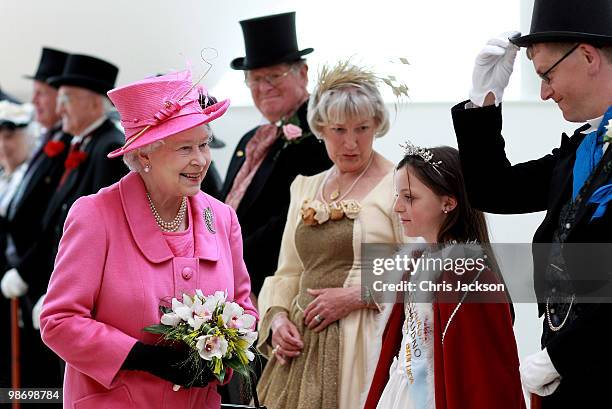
(423, 153)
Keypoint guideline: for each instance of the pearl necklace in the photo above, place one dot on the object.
(175, 224)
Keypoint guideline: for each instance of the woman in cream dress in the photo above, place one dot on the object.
(316, 328)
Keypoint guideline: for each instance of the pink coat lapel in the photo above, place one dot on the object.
(145, 231)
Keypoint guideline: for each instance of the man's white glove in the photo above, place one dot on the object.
(493, 67)
(538, 374)
(36, 312)
(12, 285)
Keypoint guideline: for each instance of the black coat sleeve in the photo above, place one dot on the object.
(493, 184)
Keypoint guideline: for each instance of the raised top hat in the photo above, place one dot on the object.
(269, 40)
(87, 72)
(51, 64)
(588, 21)
(158, 107)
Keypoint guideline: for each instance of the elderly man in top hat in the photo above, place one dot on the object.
(570, 45)
(81, 104)
(270, 156)
(23, 219)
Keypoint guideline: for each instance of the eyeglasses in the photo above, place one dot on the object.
(270, 79)
(545, 76)
(63, 99)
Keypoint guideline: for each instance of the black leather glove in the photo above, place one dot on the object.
(168, 363)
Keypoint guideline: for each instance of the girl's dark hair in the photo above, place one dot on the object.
(464, 223)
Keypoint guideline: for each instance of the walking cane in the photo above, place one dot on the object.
(15, 352)
(536, 401)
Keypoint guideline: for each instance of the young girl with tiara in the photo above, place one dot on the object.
(457, 349)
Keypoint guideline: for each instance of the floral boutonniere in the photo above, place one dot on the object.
(608, 135)
(291, 132)
(54, 148)
(74, 159)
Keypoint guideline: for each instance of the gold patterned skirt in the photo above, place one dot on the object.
(310, 381)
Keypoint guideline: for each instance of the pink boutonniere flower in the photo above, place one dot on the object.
(292, 132)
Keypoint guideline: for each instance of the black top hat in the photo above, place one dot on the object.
(588, 21)
(52, 63)
(87, 72)
(269, 40)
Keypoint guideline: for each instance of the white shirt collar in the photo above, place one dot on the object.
(94, 125)
(593, 125)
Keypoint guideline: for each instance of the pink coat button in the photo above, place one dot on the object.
(187, 273)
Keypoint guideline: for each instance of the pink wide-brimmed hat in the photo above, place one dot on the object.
(158, 107)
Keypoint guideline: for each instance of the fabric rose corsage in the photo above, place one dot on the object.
(351, 208)
(315, 212)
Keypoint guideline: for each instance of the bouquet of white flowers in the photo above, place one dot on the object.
(215, 330)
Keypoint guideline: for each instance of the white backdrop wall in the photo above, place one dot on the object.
(440, 39)
(143, 37)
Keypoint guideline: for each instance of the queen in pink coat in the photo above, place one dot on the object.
(136, 244)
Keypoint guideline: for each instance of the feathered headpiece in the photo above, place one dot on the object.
(345, 74)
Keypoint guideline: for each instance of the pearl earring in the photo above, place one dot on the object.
(147, 168)
(445, 211)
